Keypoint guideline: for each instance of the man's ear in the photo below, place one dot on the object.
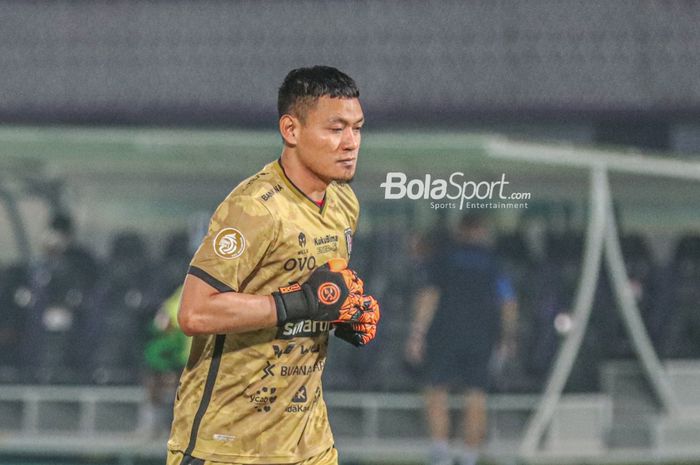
(289, 129)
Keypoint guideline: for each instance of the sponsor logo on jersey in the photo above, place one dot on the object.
(300, 401)
(300, 263)
(297, 408)
(327, 239)
(301, 238)
(291, 347)
(303, 328)
(302, 370)
(291, 288)
(300, 396)
(293, 370)
(328, 293)
(327, 243)
(327, 248)
(267, 371)
(229, 243)
(267, 195)
(313, 349)
(263, 399)
(280, 352)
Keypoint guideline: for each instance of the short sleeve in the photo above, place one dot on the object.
(241, 232)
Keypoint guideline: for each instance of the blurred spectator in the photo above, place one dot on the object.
(167, 348)
(173, 264)
(463, 308)
(519, 264)
(606, 321)
(166, 354)
(679, 308)
(13, 294)
(119, 313)
(59, 242)
(59, 281)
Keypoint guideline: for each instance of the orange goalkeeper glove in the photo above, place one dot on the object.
(361, 325)
(331, 293)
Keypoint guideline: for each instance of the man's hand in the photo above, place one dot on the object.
(360, 324)
(364, 309)
(425, 304)
(333, 292)
(355, 333)
(415, 350)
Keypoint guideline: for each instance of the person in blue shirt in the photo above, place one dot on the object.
(466, 307)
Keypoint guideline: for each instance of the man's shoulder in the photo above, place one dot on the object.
(250, 195)
(259, 188)
(259, 184)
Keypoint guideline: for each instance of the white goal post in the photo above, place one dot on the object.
(601, 238)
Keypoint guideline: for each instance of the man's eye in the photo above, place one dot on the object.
(337, 129)
(357, 129)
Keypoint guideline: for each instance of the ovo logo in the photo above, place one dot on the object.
(328, 293)
(229, 243)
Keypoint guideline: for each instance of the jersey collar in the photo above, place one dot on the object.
(293, 187)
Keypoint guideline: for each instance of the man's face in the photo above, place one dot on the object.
(328, 141)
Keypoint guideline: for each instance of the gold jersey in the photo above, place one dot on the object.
(256, 397)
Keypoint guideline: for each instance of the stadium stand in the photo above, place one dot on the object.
(682, 323)
(118, 315)
(117, 61)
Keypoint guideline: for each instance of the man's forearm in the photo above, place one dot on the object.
(424, 310)
(204, 310)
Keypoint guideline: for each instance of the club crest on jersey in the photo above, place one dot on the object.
(229, 243)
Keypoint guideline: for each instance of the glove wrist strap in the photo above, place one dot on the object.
(292, 303)
(279, 308)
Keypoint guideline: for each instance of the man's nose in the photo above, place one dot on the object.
(351, 139)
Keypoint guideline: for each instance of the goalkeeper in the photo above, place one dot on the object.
(268, 284)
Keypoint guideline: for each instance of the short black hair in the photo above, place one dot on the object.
(303, 86)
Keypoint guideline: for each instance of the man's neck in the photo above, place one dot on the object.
(305, 180)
